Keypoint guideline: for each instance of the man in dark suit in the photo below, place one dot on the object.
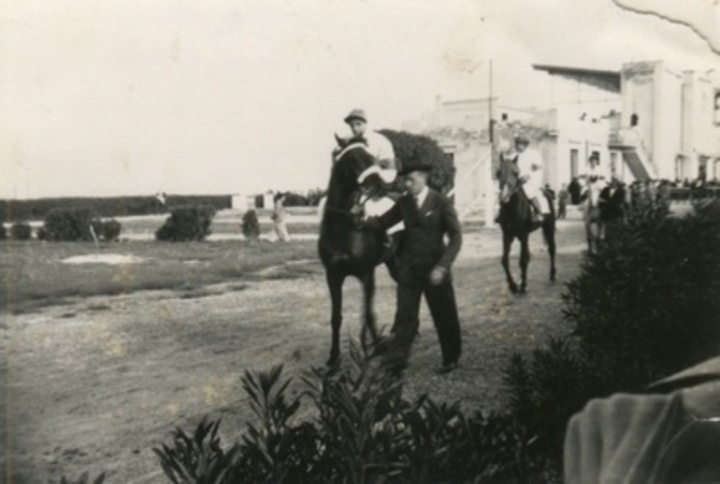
(423, 267)
(612, 203)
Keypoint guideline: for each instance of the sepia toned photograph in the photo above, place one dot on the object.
(359, 241)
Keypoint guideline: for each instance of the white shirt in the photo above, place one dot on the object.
(420, 198)
(530, 163)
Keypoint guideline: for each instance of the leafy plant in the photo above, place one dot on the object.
(197, 459)
(361, 430)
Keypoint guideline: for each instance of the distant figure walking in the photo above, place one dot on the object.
(279, 217)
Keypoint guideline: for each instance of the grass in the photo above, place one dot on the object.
(33, 274)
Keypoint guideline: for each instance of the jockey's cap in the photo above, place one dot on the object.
(413, 164)
(356, 114)
(521, 140)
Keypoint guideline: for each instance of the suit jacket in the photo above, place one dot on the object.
(612, 204)
(422, 246)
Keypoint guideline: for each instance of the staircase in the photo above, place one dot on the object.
(635, 154)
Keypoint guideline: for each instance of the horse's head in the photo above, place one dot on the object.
(350, 159)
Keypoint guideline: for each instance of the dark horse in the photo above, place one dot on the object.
(347, 248)
(516, 223)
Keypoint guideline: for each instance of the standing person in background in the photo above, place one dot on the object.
(563, 196)
(575, 190)
(279, 217)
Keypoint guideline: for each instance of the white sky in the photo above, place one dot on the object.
(121, 97)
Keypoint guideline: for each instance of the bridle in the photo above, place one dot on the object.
(360, 196)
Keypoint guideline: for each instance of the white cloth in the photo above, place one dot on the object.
(530, 164)
(376, 208)
(381, 148)
(382, 151)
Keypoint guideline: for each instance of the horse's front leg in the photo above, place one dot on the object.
(368, 283)
(507, 245)
(524, 261)
(335, 283)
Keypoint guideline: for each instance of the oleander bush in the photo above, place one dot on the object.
(187, 223)
(644, 306)
(359, 429)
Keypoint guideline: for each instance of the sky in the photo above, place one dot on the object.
(134, 97)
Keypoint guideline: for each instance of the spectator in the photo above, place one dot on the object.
(563, 196)
(279, 217)
(575, 190)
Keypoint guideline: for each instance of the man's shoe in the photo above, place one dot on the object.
(447, 367)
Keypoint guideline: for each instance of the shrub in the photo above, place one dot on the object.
(362, 430)
(21, 231)
(68, 224)
(108, 230)
(250, 225)
(643, 307)
(187, 223)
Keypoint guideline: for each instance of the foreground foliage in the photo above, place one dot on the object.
(361, 431)
(644, 307)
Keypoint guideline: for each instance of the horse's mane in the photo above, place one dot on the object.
(348, 163)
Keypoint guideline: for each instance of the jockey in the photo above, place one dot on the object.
(377, 145)
(530, 173)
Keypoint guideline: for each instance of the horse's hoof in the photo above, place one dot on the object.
(513, 288)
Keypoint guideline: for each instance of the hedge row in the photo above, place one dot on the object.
(107, 206)
(644, 307)
(76, 224)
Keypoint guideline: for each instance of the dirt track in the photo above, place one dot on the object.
(94, 385)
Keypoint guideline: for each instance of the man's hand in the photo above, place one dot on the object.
(437, 276)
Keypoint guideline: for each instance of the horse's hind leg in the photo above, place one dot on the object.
(524, 261)
(335, 283)
(549, 234)
(368, 283)
(507, 245)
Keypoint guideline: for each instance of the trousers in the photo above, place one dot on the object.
(443, 309)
